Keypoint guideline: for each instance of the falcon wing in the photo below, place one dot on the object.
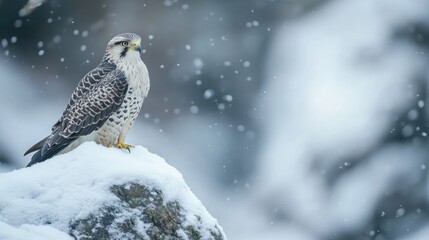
(86, 114)
(86, 84)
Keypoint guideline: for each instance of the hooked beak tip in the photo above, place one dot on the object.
(139, 48)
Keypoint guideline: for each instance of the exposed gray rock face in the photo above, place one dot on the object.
(141, 214)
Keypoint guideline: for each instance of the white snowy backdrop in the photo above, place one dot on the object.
(288, 119)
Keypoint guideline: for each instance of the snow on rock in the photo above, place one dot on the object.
(33, 232)
(106, 193)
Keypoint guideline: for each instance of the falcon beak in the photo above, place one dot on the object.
(136, 46)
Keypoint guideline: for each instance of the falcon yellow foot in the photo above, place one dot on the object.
(122, 145)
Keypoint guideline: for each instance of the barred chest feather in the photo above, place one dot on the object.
(122, 120)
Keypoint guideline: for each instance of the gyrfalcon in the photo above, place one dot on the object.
(104, 104)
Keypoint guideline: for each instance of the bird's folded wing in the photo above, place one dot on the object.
(90, 111)
(85, 85)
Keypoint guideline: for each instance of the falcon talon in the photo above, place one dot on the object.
(123, 145)
(128, 147)
(105, 103)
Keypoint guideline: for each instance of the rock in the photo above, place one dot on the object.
(140, 206)
(99, 193)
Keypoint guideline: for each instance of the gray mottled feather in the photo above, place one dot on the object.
(37, 146)
(85, 114)
(87, 83)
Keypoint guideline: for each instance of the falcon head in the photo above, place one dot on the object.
(123, 46)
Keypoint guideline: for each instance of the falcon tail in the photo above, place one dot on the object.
(47, 153)
(37, 157)
(37, 146)
(45, 150)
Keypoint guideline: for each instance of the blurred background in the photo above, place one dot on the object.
(289, 119)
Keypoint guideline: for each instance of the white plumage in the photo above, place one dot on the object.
(138, 88)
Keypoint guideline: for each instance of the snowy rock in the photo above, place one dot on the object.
(32, 232)
(95, 192)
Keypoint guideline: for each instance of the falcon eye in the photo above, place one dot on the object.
(124, 43)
